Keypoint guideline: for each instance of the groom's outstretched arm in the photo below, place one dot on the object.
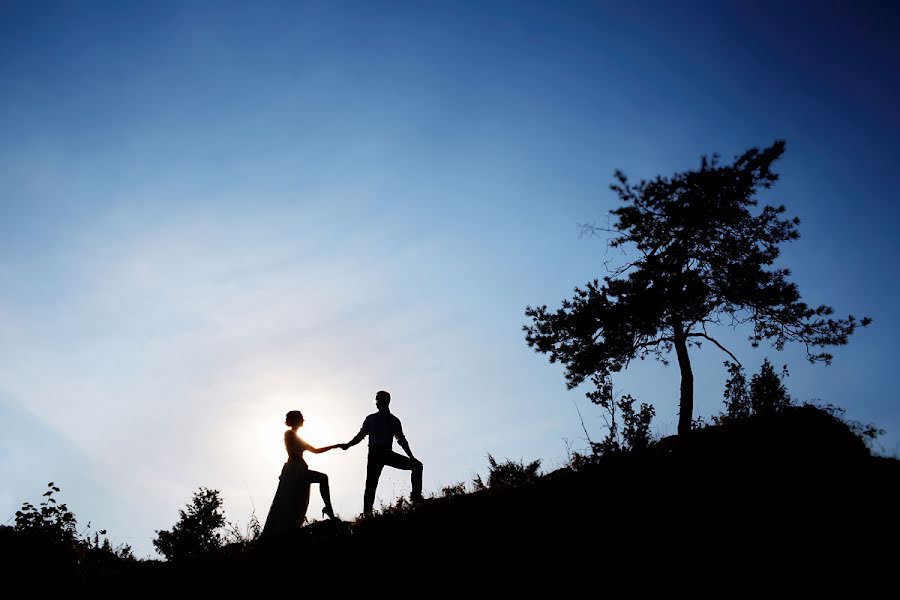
(363, 432)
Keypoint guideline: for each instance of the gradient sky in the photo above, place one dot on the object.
(214, 212)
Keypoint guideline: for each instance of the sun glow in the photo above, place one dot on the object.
(323, 425)
(268, 442)
(318, 433)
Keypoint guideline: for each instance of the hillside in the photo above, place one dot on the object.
(797, 496)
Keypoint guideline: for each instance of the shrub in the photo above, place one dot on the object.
(51, 519)
(456, 489)
(635, 434)
(507, 474)
(57, 524)
(250, 533)
(766, 394)
(636, 430)
(867, 432)
(400, 506)
(198, 530)
(737, 398)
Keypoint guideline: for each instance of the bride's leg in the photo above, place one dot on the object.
(322, 480)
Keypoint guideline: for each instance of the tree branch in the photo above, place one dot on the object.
(655, 342)
(589, 229)
(714, 341)
(586, 434)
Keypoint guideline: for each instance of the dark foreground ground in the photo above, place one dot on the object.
(792, 502)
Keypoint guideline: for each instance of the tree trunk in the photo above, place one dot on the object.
(686, 408)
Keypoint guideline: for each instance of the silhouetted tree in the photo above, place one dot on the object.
(198, 530)
(700, 259)
(765, 395)
(768, 395)
(737, 398)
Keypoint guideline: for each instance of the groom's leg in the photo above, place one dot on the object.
(373, 472)
(416, 480)
(398, 461)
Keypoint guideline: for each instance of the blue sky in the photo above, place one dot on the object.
(214, 212)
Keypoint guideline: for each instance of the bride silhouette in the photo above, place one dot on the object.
(288, 510)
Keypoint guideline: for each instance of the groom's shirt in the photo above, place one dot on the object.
(381, 427)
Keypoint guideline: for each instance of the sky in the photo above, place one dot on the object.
(212, 213)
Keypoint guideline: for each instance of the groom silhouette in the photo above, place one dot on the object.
(382, 427)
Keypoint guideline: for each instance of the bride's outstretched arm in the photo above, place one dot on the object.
(322, 449)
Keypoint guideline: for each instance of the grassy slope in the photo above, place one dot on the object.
(797, 496)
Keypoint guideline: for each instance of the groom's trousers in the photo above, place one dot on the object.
(385, 457)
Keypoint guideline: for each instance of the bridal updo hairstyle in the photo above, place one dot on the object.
(293, 417)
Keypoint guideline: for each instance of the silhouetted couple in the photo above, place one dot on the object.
(291, 500)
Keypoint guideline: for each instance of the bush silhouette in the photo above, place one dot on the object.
(635, 430)
(768, 395)
(765, 395)
(867, 432)
(50, 519)
(45, 551)
(737, 397)
(507, 474)
(249, 533)
(199, 529)
(455, 489)
(56, 524)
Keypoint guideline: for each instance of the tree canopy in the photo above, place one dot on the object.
(702, 256)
